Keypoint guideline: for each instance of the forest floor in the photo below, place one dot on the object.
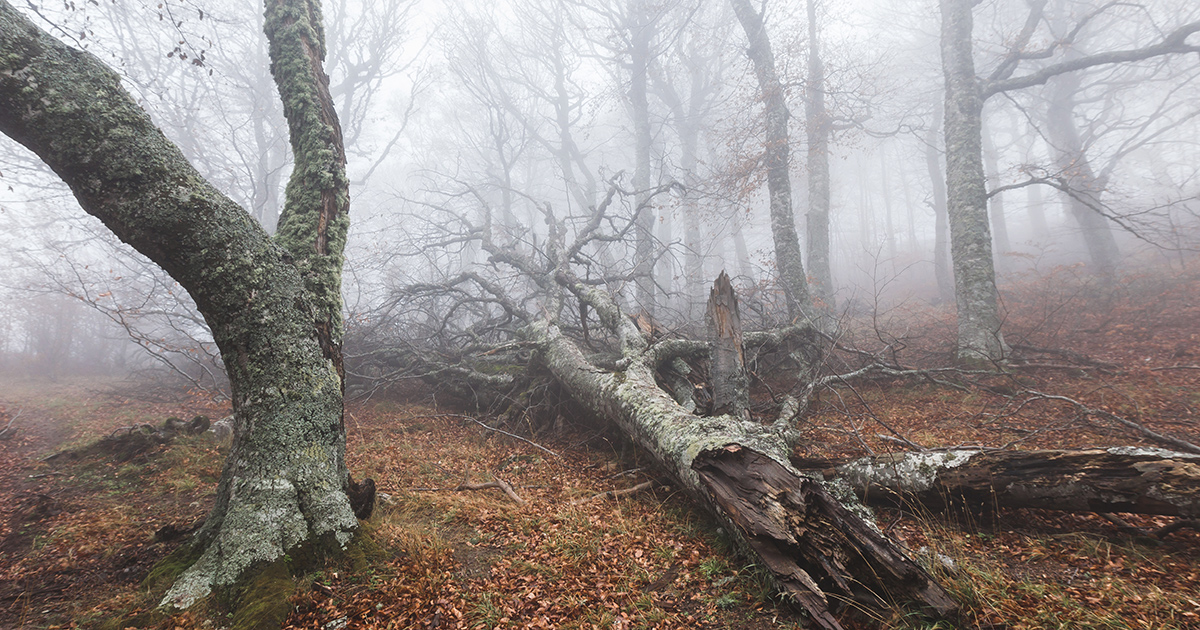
(77, 536)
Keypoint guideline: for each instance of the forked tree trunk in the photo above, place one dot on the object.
(275, 318)
(1121, 479)
(818, 550)
(1074, 167)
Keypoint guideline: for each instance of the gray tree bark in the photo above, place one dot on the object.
(991, 162)
(273, 306)
(979, 337)
(730, 380)
(641, 28)
(789, 264)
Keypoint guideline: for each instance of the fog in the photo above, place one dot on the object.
(478, 128)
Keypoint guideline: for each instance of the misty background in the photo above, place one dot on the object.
(487, 118)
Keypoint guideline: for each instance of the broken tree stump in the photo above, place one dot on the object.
(728, 375)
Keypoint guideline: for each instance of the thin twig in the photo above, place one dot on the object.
(1175, 367)
(497, 482)
(49, 474)
(10, 423)
(1183, 445)
(501, 431)
(612, 494)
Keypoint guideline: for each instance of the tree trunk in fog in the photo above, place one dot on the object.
(687, 127)
(1119, 479)
(991, 160)
(889, 223)
(640, 30)
(816, 129)
(274, 307)
(817, 549)
(1074, 167)
(789, 265)
(941, 235)
(742, 253)
(979, 337)
(1037, 213)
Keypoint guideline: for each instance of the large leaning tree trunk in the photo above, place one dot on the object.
(273, 305)
(788, 262)
(818, 549)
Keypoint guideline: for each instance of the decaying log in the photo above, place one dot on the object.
(1119, 479)
(801, 532)
(730, 381)
(813, 543)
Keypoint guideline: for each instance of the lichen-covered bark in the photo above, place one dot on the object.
(315, 219)
(283, 481)
(1118, 479)
(979, 337)
(788, 261)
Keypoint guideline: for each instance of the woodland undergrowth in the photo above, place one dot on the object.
(77, 537)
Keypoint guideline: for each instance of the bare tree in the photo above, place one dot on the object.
(979, 335)
(273, 305)
(788, 260)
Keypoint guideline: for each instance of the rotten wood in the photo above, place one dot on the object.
(730, 380)
(816, 548)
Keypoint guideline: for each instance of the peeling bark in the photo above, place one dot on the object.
(808, 540)
(1119, 479)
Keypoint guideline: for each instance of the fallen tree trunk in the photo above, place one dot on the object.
(1120, 479)
(819, 551)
